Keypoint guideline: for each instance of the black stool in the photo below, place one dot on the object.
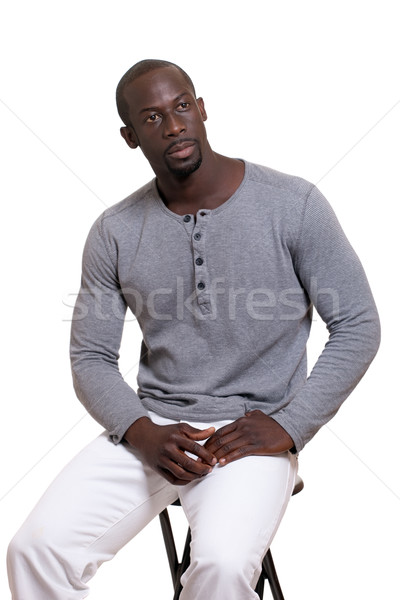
(177, 568)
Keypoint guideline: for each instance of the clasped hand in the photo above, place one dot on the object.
(254, 434)
(165, 448)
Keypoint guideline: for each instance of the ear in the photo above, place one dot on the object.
(200, 104)
(129, 135)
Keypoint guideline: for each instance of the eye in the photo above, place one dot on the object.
(152, 118)
(183, 105)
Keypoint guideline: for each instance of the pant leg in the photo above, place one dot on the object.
(234, 514)
(99, 502)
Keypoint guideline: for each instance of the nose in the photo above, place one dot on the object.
(173, 125)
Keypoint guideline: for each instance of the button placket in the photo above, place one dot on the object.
(201, 274)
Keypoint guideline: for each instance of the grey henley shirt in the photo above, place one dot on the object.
(224, 301)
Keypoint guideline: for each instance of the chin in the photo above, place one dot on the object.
(187, 169)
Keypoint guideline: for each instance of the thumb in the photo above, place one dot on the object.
(199, 434)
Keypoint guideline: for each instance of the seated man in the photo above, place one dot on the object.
(221, 262)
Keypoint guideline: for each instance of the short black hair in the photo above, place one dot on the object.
(140, 68)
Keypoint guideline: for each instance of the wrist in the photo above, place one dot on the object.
(138, 431)
(286, 438)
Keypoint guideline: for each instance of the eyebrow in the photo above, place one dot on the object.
(150, 108)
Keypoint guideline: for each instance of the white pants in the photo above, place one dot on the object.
(106, 495)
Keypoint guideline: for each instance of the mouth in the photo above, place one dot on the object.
(181, 149)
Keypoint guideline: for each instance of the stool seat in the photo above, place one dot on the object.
(177, 567)
(298, 485)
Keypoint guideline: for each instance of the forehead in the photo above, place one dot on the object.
(156, 88)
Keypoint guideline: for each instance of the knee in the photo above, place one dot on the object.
(34, 545)
(16, 549)
(17, 560)
(225, 564)
(22, 548)
(223, 574)
(40, 562)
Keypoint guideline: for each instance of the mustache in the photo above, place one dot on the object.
(179, 142)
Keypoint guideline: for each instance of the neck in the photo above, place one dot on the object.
(211, 185)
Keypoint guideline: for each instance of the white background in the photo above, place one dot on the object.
(310, 88)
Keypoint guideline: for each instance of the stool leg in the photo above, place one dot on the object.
(271, 575)
(183, 565)
(177, 568)
(169, 545)
(259, 589)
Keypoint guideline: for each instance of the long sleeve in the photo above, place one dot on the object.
(96, 333)
(337, 286)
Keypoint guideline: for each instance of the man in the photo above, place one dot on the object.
(220, 260)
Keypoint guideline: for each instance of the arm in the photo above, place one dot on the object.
(96, 333)
(329, 270)
(331, 273)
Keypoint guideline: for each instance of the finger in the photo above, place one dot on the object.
(198, 434)
(220, 433)
(226, 429)
(185, 468)
(194, 466)
(221, 445)
(171, 478)
(175, 455)
(204, 455)
(236, 454)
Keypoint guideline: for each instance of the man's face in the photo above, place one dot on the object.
(167, 121)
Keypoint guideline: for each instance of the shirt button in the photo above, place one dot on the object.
(199, 261)
(186, 218)
(201, 285)
(197, 236)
